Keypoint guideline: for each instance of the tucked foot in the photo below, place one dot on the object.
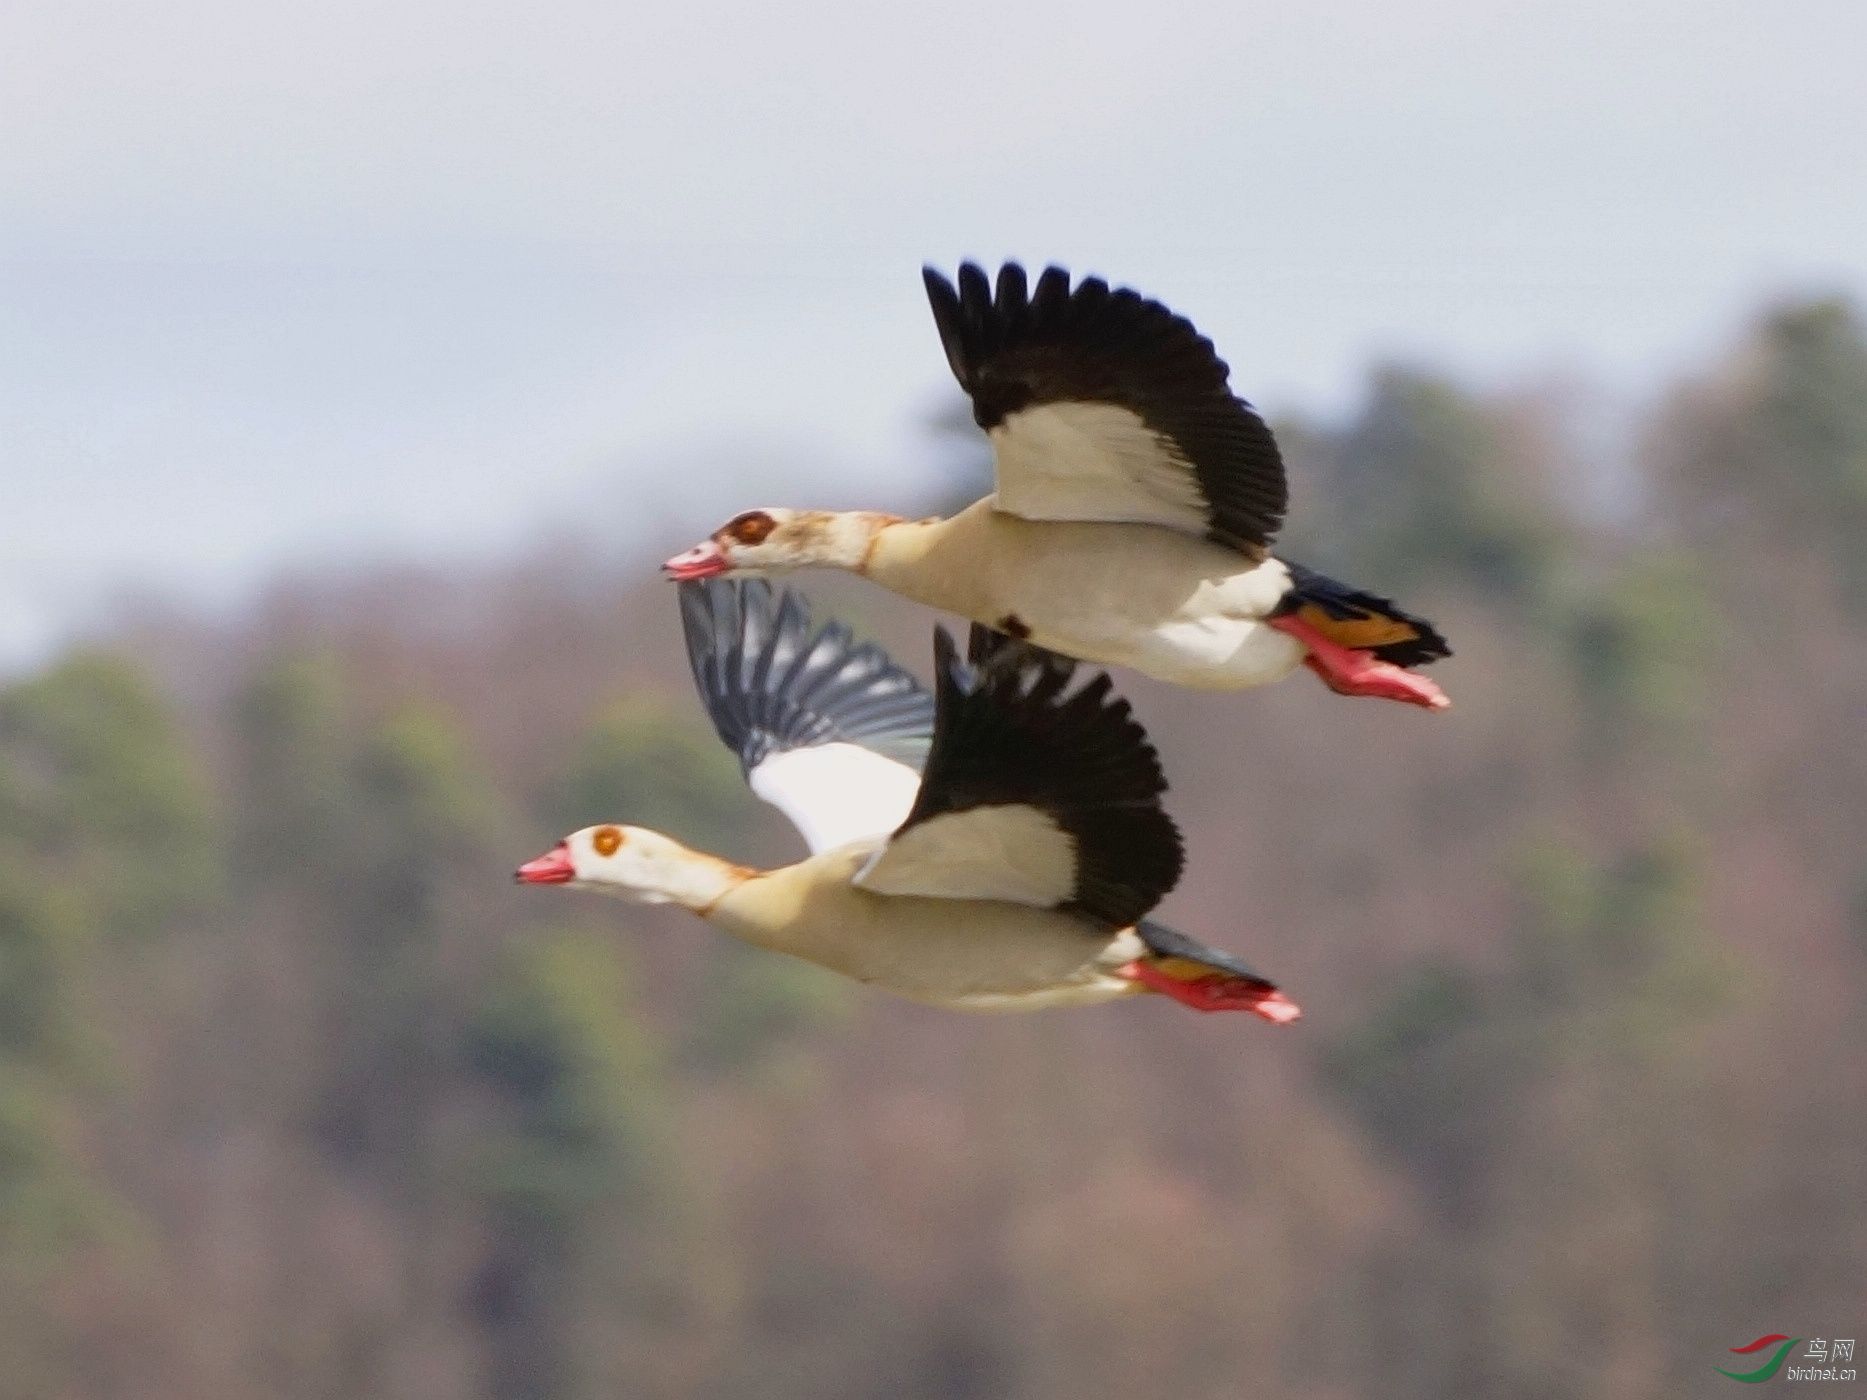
(1383, 680)
(1221, 991)
(1348, 671)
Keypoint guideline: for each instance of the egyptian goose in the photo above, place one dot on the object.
(1137, 498)
(1013, 875)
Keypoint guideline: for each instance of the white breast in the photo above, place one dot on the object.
(1175, 607)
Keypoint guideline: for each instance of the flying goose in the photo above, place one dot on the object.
(1013, 875)
(1136, 500)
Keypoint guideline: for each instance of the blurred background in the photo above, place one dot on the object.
(359, 362)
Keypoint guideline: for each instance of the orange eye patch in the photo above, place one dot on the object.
(607, 840)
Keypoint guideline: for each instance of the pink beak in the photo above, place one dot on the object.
(704, 560)
(551, 868)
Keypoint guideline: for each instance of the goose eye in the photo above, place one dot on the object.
(751, 528)
(608, 840)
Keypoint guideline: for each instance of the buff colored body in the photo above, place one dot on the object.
(1166, 603)
(968, 955)
(1136, 498)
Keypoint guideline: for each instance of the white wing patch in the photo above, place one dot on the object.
(837, 793)
(1012, 852)
(1093, 461)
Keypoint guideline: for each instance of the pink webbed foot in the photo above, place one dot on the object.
(1347, 671)
(1222, 991)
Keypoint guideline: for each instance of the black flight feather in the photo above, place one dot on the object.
(1008, 731)
(1094, 345)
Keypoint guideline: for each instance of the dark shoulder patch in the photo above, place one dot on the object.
(1009, 731)
(1017, 347)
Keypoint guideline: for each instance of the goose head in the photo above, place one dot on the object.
(773, 539)
(633, 863)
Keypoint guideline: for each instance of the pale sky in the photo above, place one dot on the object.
(284, 284)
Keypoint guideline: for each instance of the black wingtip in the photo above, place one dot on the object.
(950, 321)
(946, 655)
(1009, 731)
(1010, 297)
(1037, 343)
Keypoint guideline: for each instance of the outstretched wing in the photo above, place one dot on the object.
(1033, 793)
(830, 732)
(1104, 405)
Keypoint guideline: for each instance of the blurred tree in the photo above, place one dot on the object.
(1422, 490)
(394, 1135)
(582, 1164)
(1641, 645)
(557, 1037)
(751, 1003)
(419, 821)
(1771, 453)
(647, 763)
(105, 837)
(99, 786)
(1516, 1100)
(290, 734)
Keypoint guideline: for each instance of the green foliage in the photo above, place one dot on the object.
(419, 819)
(45, 1206)
(390, 1136)
(1641, 646)
(580, 1078)
(1403, 1068)
(1615, 947)
(106, 837)
(44, 938)
(1605, 958)
(415, 774)
(1419, 493)
(382, 817)
(1811, 416)
(753, 1002)
(420, 814)
(1420, 497)
(97, 785)
(645, 763)
(292, 735)
(1780, 447)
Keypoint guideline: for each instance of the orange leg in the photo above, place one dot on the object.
(1347, 671)
(1222, 991)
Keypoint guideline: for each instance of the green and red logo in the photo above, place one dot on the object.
(1770, 1367)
